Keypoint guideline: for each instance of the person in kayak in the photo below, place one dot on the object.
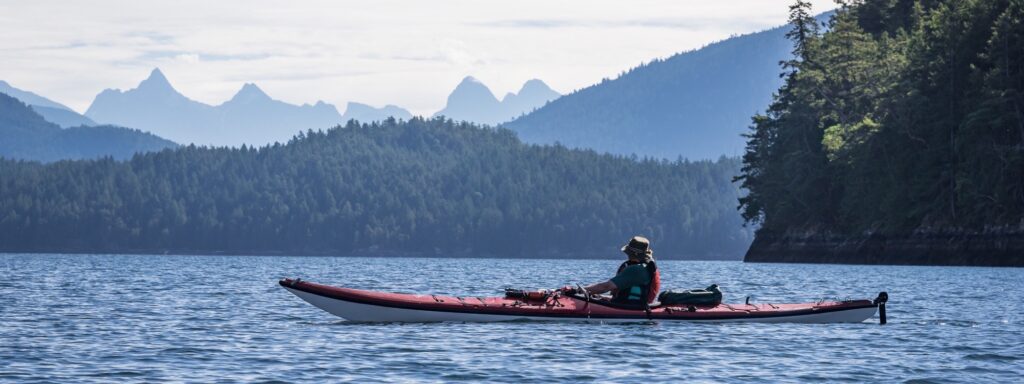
(637, 281)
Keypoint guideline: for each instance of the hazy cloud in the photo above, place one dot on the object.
(408, 53)
(667, 23)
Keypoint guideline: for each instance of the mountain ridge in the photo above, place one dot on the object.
(50, 110)
(694, 104)
(26, 135)
(30, 98)
(366, 113)
(249, 117)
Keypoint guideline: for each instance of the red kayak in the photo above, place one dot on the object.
(372, 306)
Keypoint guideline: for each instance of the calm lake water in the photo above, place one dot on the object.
(125, 318)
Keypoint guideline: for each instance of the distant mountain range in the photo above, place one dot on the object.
(473, 101)
(26, 135)
(250, 117)
(694, 104)
(253, 117)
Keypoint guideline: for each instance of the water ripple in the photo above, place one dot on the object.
(103, 318)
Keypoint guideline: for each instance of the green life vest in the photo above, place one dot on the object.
(638, 293)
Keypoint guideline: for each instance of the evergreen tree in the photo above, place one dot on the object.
(916, 107)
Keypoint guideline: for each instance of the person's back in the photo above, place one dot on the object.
(634, 282)
(637, 280)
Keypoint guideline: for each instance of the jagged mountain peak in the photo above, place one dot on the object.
(471, 86)
(156, 81)
(473, 101)
(156, 73)
(534, 93)
(249, 93)
(251, 88)
(535, 84)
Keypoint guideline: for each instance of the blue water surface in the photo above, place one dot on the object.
(145, 318)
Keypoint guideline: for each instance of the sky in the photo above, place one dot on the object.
(409, 53)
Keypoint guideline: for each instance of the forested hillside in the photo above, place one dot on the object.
(695, 104)
(429, 187)
(62, 117)
(904, 118)
(50, 110)
(26, 135)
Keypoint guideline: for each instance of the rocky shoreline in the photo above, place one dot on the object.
(994, 249)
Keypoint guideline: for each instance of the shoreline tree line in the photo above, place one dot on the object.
(419, 187)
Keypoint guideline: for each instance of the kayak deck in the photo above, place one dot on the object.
(373, 306)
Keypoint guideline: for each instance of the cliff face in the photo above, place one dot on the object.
(997, 249)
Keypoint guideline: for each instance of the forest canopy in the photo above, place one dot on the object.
(900, 116)
(424, 186)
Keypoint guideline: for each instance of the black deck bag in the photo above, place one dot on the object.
(708, 296)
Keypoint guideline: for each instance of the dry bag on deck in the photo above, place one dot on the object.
(708, 296)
